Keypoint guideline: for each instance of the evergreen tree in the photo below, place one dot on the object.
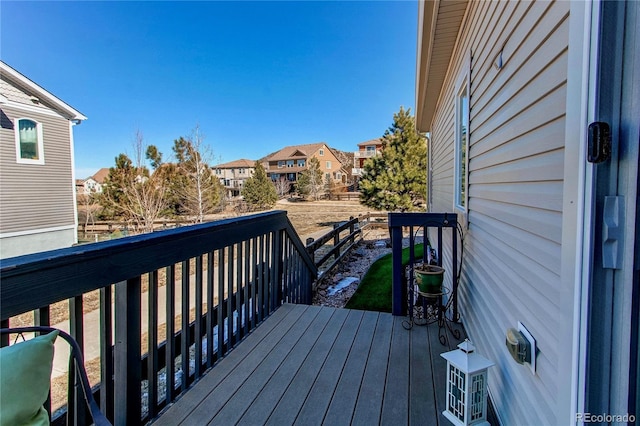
(258, 191)
(310, 181)
(397, 180)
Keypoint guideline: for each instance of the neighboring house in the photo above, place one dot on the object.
(37, 196)
(366, 150)
(290, 161)
(89, 186)
(507, 91)
(99, 179)
(234, 174)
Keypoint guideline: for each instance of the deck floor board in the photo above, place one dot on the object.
(310, 365)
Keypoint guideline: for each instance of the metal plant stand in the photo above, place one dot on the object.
(428, 308)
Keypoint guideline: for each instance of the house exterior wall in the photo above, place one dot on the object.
(37, 208)
(513, 224)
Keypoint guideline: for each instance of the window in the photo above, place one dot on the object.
(370, 150)
(301, 163)
(29, 142)
(462, 148)
(280, 164)
(321, 153)
(241, 171)
(328, 165)
(289, 163)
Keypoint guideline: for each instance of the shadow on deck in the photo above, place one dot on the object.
(317, 365)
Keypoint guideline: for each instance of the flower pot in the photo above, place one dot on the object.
(429, 279)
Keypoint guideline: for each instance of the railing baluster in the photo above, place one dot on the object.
(247, 286)
(76, 412)
(278, 253)
(210, 308)
(254, 282)
(268, 274)
(128, 370)
(260, 279)
(198, 324)
(170, 346)
(230, 297)
(42, 317)
(239, 292)
(220, 341)
(152, 344)
(106, 352)
(184, 336)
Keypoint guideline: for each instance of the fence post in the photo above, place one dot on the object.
(352, 228)
(128, 369)
(336, 240)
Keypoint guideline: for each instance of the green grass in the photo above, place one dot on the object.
(374, 291)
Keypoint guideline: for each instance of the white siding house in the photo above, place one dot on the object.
(37, 193)
(507, 91)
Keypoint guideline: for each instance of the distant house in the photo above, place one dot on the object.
(93, 184)
(37, 195)
(517, 97)
(234, 174)
(366, 150)
(290, 161)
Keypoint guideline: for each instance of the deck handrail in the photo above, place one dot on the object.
(250, 264)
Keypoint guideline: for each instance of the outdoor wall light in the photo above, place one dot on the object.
(522, 346)
(466, 386)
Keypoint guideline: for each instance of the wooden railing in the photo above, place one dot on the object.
(225, 278)
(329, 249)
(414, 222)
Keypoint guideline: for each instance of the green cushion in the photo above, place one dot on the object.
(25, 378)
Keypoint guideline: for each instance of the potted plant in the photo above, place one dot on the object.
(429, 279)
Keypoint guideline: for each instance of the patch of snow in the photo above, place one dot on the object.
(342, 284)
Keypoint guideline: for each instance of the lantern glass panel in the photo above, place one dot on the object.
(477, 397)
(457, 395)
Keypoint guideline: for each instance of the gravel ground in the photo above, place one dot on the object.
(373, 245)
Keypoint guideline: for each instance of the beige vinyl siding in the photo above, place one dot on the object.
(36, 196)
(512, 258)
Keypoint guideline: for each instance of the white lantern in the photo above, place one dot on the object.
(466, 386)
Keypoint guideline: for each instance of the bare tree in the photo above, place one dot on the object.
(134, 193)
(283, 186)
(201, 192)
(88, 203)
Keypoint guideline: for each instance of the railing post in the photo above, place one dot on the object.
(128, 370)
(399, 290)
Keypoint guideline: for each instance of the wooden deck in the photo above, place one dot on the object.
(312, 365)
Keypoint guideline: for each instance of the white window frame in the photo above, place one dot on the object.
(40, 143)
(321, 152)
(302, 163)
(328, 165)
(281, 164)
(461, 157)
(290, 163)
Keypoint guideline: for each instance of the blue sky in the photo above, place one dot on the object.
(255, 76)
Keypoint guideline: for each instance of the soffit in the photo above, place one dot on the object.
(438, 26)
